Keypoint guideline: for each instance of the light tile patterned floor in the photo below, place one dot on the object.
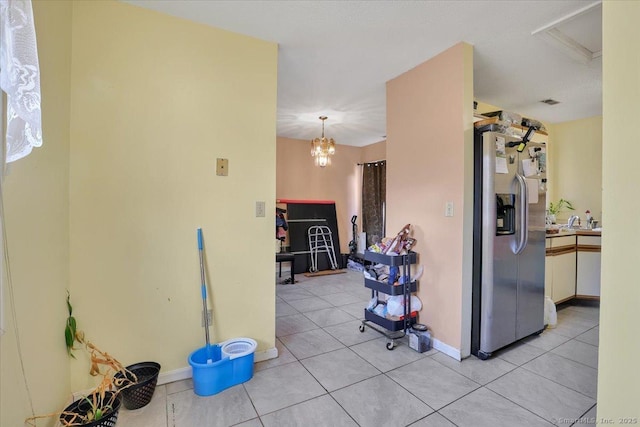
(330, 374)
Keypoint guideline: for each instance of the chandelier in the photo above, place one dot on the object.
(323, 148)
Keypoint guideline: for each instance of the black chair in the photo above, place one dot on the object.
(286, 257)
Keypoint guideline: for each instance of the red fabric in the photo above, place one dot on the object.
(281, 234)
(312, 202)
(413, 314)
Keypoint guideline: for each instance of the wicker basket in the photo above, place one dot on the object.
(82, 407)
(138, 395)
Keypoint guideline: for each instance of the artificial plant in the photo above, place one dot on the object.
(102, 364)
(561, 205)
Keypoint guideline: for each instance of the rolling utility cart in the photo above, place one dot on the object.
(392, 329)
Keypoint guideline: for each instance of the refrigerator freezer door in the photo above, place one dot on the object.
(499, 274)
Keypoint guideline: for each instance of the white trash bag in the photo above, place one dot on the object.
(550, 313)
(395, 305)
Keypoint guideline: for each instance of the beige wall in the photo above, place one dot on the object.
(36, 207)
(155, 100)
(373, 152)
(618, 374)
(576, 166)
(297, 177)
(429, 153)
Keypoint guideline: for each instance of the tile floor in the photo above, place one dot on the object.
(330, 374)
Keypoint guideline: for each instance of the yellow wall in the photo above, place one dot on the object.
(483, 107)
(36, 209)
(429, 153)
(155, 100)
(576, 153)
(618, 374)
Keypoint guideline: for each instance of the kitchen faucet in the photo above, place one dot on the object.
(572, 220)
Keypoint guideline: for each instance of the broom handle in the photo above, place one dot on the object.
(204, 289)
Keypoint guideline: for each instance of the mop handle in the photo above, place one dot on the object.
(204, 290)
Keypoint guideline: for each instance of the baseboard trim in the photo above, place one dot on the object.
(261, 356)
(446, 349)
(175, 375)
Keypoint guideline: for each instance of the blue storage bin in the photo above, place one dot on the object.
(232, 364)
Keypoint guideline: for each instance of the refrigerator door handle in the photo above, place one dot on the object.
(523, 238)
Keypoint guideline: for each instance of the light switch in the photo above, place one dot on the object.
(448, 209)
(222, 167)
(260, 209)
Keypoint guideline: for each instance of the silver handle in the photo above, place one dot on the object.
(523, 239)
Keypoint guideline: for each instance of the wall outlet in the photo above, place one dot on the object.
(448, 209)
(209, 317)
(260, 209)
(222, 167)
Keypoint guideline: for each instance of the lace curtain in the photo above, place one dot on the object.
(20, 78)
(374, 194)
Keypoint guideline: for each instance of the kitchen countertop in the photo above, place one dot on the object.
(595, 232)
(577, 232)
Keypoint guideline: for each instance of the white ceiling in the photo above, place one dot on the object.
(335, 56)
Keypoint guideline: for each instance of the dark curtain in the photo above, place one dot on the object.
(374, 194)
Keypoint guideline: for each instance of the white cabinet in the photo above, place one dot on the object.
(560, 268)
(548, 276)
(588, 262)
(564, 276)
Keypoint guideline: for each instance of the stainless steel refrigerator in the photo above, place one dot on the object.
(509, 241)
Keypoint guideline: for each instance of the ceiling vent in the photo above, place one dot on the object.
(578, 34)
(550, 101)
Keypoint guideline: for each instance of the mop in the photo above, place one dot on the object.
(204, 298)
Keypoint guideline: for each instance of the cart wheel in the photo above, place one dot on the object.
(390, 345)
(361, 328)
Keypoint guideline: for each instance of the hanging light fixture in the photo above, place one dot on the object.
(323, 148)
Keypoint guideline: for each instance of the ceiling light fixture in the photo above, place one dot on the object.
(322, 148)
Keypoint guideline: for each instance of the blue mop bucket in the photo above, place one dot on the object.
(232, 364)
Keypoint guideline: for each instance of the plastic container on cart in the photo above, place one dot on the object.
(420, 338)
